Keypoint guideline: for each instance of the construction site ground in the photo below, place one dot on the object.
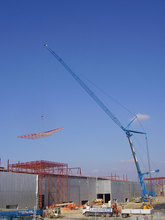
(158, 212)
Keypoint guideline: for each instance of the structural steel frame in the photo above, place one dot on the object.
(57, 174)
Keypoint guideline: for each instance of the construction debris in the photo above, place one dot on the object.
(53, 212)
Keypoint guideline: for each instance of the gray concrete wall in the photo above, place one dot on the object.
(18, 189)
(126, 190)
(103, 186)
(81, 189)
(22, 189)
(120, 191)
(135, 189)
(85, 188)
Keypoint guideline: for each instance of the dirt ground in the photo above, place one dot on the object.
(158, 212)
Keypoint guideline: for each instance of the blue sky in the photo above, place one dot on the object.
(118, 46)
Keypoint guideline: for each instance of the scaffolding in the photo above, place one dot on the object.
(56, 175)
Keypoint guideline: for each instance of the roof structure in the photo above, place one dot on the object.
(39, 167)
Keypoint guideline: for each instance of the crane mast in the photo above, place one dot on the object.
(127, 131)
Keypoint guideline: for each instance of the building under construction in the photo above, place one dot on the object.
(43, 183)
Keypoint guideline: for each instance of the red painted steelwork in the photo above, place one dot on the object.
(40, 134)
(55, 173)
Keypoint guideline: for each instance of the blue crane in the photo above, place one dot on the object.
(126, 130)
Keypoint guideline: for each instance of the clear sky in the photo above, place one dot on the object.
(117, 45)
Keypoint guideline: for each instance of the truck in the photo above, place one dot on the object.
(127, 212)
(106, 212)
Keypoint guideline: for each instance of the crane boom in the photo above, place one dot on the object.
(128, 132)
(87, 89)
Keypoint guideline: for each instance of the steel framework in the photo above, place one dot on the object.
(117, 178)
(76, 171)
(55, 173)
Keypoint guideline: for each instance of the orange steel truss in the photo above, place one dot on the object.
(56, 175)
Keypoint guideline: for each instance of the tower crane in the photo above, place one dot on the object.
(126, 130)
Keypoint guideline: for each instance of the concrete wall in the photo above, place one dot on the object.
(81, 189)
(85, 188)
(103, 186)
(126, 190)
(135, 189)
(18, 189)
(22, 190)
(121, 191)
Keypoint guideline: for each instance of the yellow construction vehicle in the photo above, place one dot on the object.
(98, 201)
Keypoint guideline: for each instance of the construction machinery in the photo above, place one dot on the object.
(128, 132)
(98, 201)
(98, 212)
(129, 212)
(21, 214)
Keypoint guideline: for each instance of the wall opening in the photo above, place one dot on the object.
(83, 202)
(99, 196)
(107, 197)
(11, 206)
